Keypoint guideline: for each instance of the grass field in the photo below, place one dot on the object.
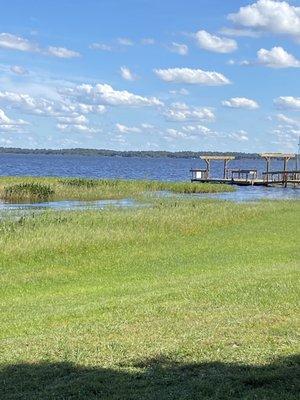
(93, 189)
(180, 300)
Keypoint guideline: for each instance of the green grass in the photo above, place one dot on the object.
(93, 189)
(180, 300)
(29, 191)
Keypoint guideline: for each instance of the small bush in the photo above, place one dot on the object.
(27, 191)
(80, 182)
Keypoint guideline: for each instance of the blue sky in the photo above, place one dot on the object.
(150, 75)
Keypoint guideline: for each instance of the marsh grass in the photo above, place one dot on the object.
(94, 304)
(94, 189)
(28, 191)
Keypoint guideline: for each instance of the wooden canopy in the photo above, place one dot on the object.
(208, 158)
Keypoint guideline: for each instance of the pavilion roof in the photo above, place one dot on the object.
(210, 157)
(277, 155)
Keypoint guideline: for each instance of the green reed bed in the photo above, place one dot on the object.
(28, 191)
(93, 189)
(179, 300)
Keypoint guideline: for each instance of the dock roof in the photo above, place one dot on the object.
(210, 157)
(277, 155)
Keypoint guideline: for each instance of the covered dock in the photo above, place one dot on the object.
(247, 177)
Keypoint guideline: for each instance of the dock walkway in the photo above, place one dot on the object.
(249, 177)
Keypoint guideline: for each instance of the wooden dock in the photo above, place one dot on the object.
(249, 177)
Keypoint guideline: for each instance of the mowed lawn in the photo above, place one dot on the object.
(178, 300)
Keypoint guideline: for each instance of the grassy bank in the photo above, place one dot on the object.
(182, 300)
(93, 189)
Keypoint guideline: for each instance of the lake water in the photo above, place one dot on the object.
(164, 169)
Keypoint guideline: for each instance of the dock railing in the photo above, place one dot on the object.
(248, 175)
(281, 177)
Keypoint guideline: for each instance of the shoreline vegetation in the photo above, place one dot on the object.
(181, 299)
(18, 189)
(132, 153)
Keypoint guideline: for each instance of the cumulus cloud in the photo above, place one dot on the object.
(240, 135)
(277, 57)
(189, 132)
(77, 123)
(45, 107)
(13, 42)
(287, 120)
(76, 128)
(182, 112)
(287, 102)
(101, 46)
(276, 17)
(8, 125)
(127, 129)
(125, 42)
(179, 48)
(192, 76)
(104, 94)
(182, 91)
(240, 102)
(18, 70)
(214, 43)
(127, 74)
(62, 52)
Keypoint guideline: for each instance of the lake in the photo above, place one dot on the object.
(164, 169)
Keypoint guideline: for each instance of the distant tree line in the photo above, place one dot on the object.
(131, 153)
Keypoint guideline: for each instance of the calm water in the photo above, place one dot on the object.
(165, 169)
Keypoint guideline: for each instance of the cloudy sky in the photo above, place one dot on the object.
(150, 74)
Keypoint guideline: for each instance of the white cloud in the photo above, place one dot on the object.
(215, 43)
(104, 94)
(147, 126)
(125, 42)
(77, 120)
(182, 112)
(18, 70)
(127, 74)
(193, 76)
(182, 91)
(13, 42)
(9, 125)
(78, 123)
(127, 129)
(62, 52)
(287, 120)
(76, 128)
(277, 57)
(240, 136)
(277, 17)
(287, 102)
(189, 132)
(179, 48)
(240, 102)
(239, 32)
(45, 107)
(100, 46)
